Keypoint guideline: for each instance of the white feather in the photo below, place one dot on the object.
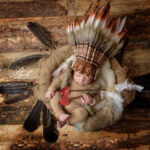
(123, 21)
(82, 25)
(96, 23)
(128, 86)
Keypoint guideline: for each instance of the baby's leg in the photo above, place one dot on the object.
(78, 115)
(56, 107)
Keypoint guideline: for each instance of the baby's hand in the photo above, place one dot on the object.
(50, 94)
(86, 99)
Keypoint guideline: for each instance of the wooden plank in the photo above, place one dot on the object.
(22, 139)
(31, 9)
(138, 61)
(15, 36)
(66, 7)
(118, 7)
(119, 136)
(27, 72)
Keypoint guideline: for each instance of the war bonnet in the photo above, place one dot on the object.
(95, 38)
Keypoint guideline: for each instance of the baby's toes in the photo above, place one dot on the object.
(60, 124)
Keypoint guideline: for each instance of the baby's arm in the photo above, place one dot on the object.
(55, 85)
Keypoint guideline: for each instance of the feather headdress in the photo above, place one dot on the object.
(95, 38)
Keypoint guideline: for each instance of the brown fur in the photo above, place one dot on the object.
(104, 116)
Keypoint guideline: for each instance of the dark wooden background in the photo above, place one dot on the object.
(16, 41)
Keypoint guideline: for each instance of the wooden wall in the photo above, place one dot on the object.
(17, 41)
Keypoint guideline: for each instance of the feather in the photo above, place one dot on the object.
(86, 15)
(128, 86)
(14, 87)
(121, 25)
(50, 133)
(41, 34)
(32, 122)
(25, 60)
(19, 97)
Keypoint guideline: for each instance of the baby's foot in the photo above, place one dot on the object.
(62, 120)
(63, 117)
(60, 124)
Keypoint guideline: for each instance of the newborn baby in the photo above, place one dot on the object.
(74, 112)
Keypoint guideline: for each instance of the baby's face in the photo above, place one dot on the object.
(82, 79)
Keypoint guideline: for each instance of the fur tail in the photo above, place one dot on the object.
(41, 34)
(32, 122)
(50, 133)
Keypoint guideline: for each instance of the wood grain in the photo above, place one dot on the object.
(16, 41)
(120, 135)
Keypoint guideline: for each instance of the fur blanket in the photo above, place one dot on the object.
(109, 109)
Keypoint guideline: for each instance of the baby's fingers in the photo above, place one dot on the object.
(83, 100)
(47, 95)
(85, 96)
(52, 95)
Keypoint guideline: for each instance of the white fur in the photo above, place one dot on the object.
(117, 104)
(113, 99)
(108, 75)
(128, 86)
(96, 23)
(63, 65)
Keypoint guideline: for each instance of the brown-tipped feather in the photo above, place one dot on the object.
(122, 33)
(100, 13)
(106, 11)
(32, 122)
(86, 15)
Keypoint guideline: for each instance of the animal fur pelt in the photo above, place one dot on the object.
(50, 64)
(108, 110)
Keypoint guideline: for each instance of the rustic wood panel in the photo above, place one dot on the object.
(31, 9)
(118, 7)
(120, 135)
(132, 131)
(26, 72)
(15, 36)
(28, 8)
